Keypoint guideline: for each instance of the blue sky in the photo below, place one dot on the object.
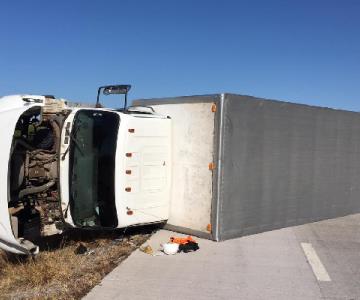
(299, 51)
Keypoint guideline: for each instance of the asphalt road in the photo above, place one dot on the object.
(314, 261)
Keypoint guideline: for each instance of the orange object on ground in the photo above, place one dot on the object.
(182, 241)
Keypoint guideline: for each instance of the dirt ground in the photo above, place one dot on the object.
(68, 266)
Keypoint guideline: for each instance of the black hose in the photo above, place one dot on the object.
(36, 189)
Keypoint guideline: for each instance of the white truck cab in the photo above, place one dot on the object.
(62, 166)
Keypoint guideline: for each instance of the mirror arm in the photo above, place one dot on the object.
(125, 102)
(98, 96)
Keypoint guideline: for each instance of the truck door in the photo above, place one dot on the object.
(144, 170)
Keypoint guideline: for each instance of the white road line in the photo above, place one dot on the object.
(315, 262)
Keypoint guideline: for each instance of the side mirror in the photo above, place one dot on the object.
(121, 89)
(116, 89)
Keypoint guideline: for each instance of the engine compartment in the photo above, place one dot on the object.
(34, 202)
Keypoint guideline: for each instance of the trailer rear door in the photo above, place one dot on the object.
(192, 156)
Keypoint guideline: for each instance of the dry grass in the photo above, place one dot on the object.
(60, 273)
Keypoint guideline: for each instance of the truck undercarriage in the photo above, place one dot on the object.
(34, 204)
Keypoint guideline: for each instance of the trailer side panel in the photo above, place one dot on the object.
(286, 164)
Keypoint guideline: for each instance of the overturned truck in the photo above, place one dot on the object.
(216, 166)
(66, 166)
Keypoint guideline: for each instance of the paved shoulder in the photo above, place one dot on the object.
(269, 265)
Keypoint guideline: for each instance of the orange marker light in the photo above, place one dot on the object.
(208, 227)
(213, 108)
(211, 166)
(128, 189)
(128, 172)
(129, 212)
(128, 154)
(131, 130)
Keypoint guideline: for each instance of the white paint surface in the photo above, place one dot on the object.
(150, 165)
(192, 151)
(318, 268)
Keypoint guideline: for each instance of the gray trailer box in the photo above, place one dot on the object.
(244, 165)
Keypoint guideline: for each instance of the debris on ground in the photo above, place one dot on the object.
(170, 248)
(186, 245)
(147, 249)
(175, 245)
(81, 249)
(181, 241)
